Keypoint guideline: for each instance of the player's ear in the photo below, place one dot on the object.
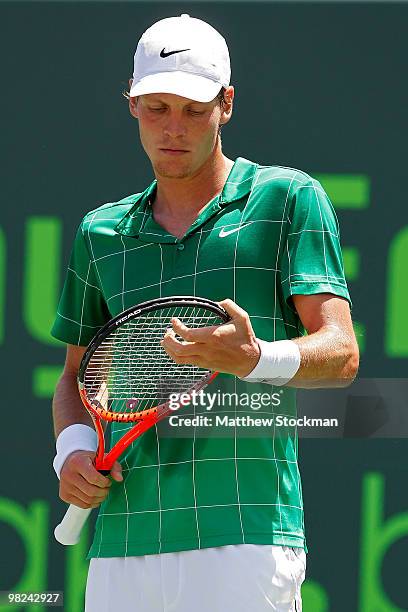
(227, 105)
(132, 103)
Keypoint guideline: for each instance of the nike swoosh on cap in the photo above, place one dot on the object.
(223, 233)
(163, 53)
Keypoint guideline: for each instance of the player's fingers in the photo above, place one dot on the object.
(89, 490)
(70, 477)
(81, 502)
(91, 475)
(76, 501)
(171, 335)
(177, 358)
(234, 311)
(116, 472)
(69, 491)
(192, 359)
(192, 334)
(174, 347)
(94, 491)
(89, 500)
(82, 463)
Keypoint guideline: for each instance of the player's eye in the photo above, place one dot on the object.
(157, 109)
(196, 113)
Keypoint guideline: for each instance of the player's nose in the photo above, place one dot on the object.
(174, 126)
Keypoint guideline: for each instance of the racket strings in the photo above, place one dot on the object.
(130, 372)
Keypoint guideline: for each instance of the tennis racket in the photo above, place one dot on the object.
(126, 376)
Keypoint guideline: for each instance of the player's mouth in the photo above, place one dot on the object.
(175, 152)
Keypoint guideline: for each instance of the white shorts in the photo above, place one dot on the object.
(238, 578)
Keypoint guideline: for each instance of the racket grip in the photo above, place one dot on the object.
(68, 531)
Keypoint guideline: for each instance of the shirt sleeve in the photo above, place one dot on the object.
(82, 309)
(312, 261)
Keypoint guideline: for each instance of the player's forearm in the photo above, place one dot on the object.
(67, 407)
(329, 358)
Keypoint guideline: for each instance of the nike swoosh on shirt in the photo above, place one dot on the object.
(164, 53)
(223, 233)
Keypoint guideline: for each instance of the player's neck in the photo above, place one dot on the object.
(185, 198)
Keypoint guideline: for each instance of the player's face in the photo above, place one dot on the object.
(179, 135)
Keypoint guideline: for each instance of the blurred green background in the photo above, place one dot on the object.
(319, 86)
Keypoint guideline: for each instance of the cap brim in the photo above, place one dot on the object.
(191, 86)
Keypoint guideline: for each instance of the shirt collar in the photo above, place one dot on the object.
(139, 223)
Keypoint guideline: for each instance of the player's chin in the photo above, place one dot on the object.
(174, 168)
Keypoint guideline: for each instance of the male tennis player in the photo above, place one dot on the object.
(204, 522)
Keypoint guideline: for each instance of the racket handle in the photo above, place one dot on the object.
(68, 531)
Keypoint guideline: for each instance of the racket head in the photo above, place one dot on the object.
(125, 374)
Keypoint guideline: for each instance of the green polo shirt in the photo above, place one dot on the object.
(271, 233)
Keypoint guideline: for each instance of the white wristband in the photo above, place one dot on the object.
(73, 438)
(278, 363)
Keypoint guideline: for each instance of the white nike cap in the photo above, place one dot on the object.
(183, 56)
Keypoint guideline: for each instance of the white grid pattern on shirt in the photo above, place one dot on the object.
(85, 282)
(323, 241)
(124, 481)
(235, 380)
(152, 465)
(155, 427)
(83, 303)
(274, 328)
(92, 251)
(176, 508)
(195, 429)
(81, 324)
(78, 322)
(193, 275)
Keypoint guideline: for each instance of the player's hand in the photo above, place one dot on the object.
(81, 484)
(231, 347)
